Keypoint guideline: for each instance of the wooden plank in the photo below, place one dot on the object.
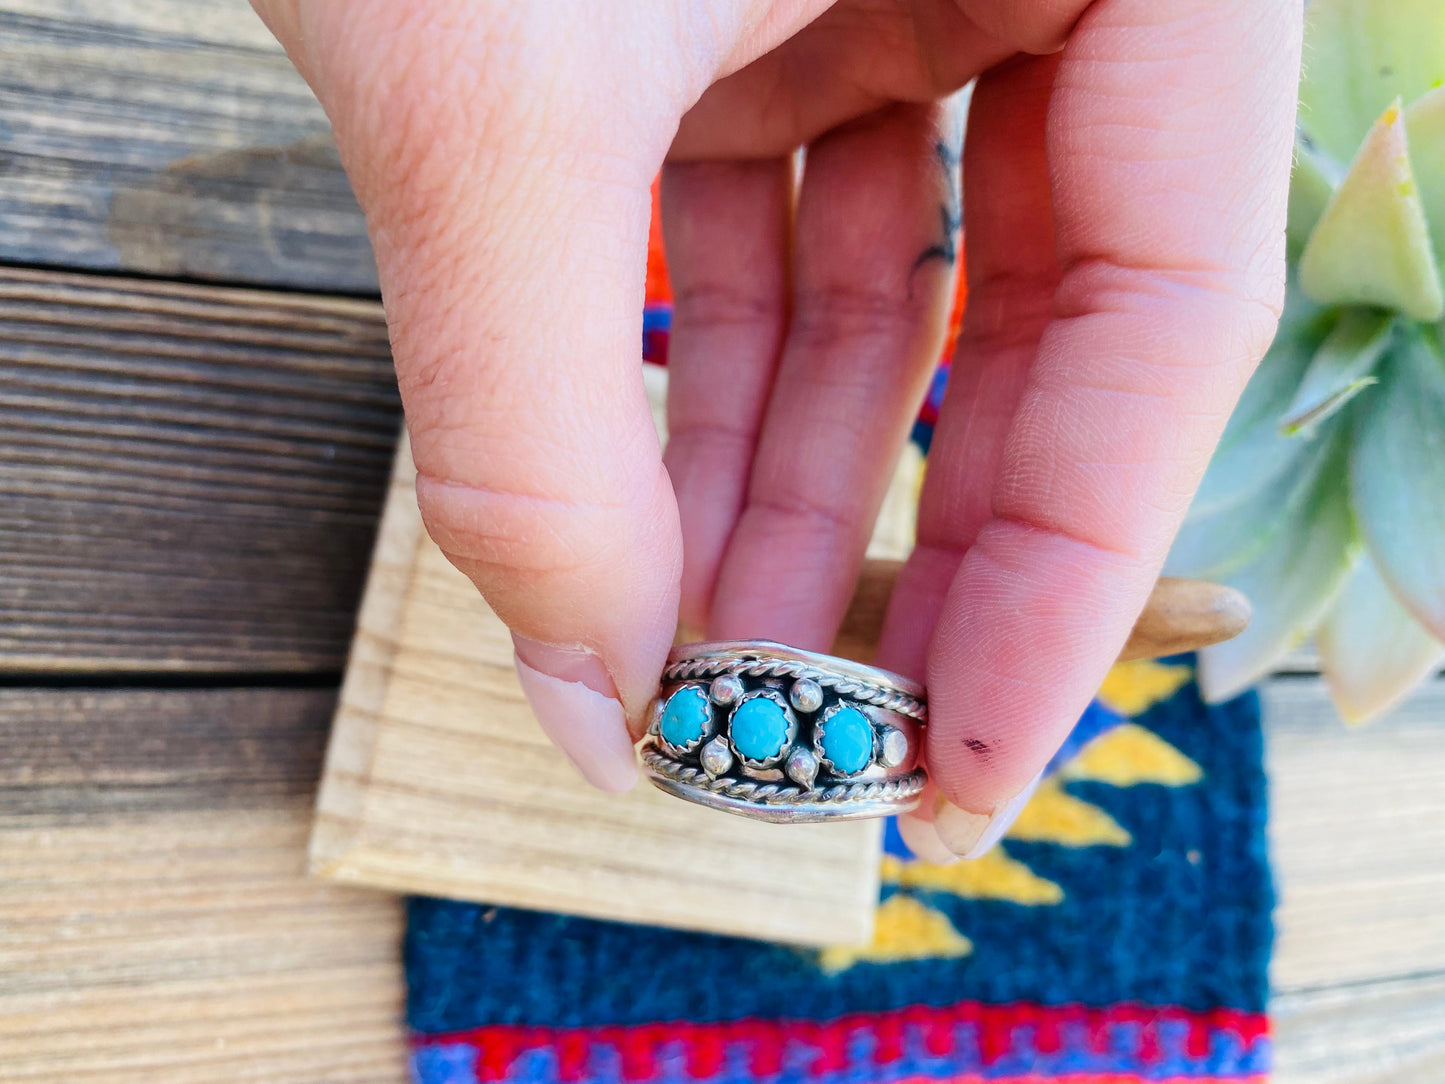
(155, 923)
(439, 781)
(191, 474)
(83, 755)
(171, 137)
(1357, 828)
(1389, 1032)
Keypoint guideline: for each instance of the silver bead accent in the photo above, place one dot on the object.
(802, 767)
(716, 758)
(654, 717)
(806, 695)
(725, 689)
(893, 748)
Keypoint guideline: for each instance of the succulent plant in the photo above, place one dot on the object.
(1325, 501)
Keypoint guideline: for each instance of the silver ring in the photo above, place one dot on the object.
(779, 734)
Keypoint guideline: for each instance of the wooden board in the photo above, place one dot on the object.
(191, 475)
(171, 137)
(439, 781)
(1358, 831)
(1386, 1032)
(155, 923)
(1357, 828)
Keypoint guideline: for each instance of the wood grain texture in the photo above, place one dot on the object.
(155, 923)
(191, 474)
(171, 137)
(84, 755)
(1386, 1032)
(1358, 832)
(438, 780)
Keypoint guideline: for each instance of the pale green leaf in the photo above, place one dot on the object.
(1340, 368)
(1371, 245)
(1425, 123)
(1397, 476)
(1371, 650)
(1311, 183)
(1211, 547)
(1252, 453)
(1359, 56)
(1303, 423)
(1291, 584)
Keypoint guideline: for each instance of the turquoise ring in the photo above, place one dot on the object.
(779, 734)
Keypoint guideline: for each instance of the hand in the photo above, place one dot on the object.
(1124, 187)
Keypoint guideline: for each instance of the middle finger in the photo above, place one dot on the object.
(873, 272)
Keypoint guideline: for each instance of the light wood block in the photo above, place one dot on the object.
(438, 780)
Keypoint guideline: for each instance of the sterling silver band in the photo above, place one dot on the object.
(779, 734)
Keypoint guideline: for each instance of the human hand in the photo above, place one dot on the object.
(1124, 185)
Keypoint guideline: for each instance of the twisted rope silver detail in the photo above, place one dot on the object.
(751, 790)
(887, 699)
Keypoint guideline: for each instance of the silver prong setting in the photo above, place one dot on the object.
(892, 747)
(802, 767)
(805, 695)
(725, 689)
(716, 758)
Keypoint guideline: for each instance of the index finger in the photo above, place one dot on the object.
(1169, 142)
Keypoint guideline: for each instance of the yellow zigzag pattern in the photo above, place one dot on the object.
(995, 876)
(1132, 688)
(1126, 756)
(1055, 816)
(1129, 755)
(905, 930)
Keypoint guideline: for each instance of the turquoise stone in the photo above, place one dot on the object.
(759, 729)
(847, 741)
(687, 715)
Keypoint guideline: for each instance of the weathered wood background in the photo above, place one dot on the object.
(196, 418)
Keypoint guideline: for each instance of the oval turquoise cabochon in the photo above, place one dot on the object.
(847, 740)
(759, 728)
(686, 717)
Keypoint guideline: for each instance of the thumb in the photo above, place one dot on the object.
(510, 225)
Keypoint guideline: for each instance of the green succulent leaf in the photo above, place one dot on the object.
(1425, 124)
(1359, 56)
(1397, 476)
(1251, 452)
(1340, 369)
(1371, 245)
(1291, 583)
(1311, 184)
(1214, 546)
(1373, 652)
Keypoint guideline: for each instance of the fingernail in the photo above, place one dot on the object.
(924, 841)
(576, 703)
(972, 835)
